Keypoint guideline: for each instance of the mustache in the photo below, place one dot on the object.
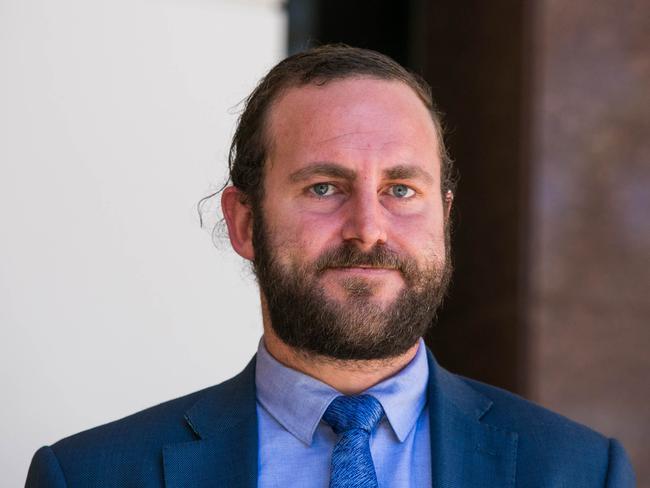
(349, 255)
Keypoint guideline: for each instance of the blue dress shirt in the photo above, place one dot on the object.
(295, 445)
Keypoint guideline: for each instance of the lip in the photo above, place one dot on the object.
(363, 270)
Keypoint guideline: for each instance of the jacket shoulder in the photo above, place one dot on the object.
(512, 411)
(551, 445)
(127, 451)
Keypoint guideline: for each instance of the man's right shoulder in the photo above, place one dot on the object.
(163, 420)
(129, 451)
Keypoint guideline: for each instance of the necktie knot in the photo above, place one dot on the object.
(353, 412)
(353, 418)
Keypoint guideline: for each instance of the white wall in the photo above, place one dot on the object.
(115, 118)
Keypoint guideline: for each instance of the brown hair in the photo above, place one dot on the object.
(317, 66)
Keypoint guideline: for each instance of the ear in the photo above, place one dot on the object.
(239, 219)
(449, 200)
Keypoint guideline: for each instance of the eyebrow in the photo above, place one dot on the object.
(334, 170)
(407, 172)
(331, 170)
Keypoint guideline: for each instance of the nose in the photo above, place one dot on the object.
(365, 224)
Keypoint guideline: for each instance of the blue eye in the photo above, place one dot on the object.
(401, 191)
(322, 189)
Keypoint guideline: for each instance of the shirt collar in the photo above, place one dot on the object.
(298, 401)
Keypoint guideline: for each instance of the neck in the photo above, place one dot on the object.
(350, 377)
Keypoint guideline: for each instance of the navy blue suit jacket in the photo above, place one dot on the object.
(481, 436)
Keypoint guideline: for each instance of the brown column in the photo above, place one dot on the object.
(590, 232)
(474, 55)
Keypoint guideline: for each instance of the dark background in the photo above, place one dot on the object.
(547, 118)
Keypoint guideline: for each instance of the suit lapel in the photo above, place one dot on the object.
(464, 450)
(225, 420)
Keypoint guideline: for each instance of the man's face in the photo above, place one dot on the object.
(350, 242)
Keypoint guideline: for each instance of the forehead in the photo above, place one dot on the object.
(350, 121)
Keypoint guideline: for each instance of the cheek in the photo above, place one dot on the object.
(304, 236)
(417, 226)
(419, 235)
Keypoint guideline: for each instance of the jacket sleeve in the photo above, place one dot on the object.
(619, 470)
(45, 470)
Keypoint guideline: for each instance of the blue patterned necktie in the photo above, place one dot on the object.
(353, 418)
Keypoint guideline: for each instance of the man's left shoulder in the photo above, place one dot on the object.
(513, 412)
(549, 440)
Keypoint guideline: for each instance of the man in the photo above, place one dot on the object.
(340, 197)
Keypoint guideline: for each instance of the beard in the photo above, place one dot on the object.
(304, 318)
